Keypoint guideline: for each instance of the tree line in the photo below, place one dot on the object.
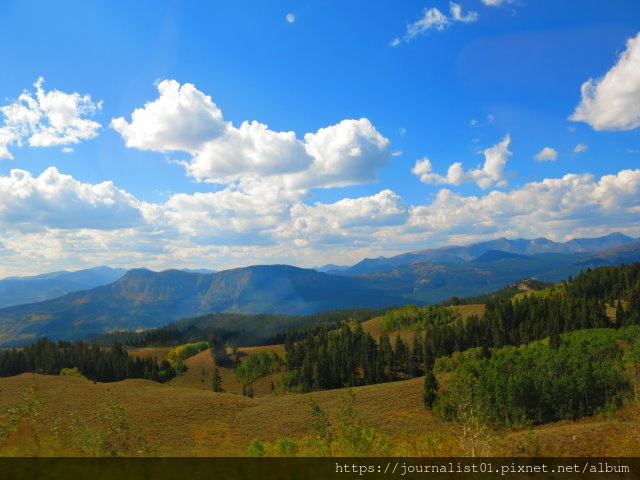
(100, 364)
(349, 357)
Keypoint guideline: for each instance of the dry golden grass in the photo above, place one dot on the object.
(71, 416)
(374, 326)
(200, 371)
(467, 310)
(159, 353)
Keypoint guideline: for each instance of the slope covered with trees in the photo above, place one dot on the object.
(351, 357)
(100, 364)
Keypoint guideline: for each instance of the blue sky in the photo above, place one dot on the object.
(222, 134)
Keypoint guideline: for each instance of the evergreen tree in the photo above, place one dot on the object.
(430, 389)
(217, 381)
(619, 314)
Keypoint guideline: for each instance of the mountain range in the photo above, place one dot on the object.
(20, 290)
(465, 253)
(143, 299)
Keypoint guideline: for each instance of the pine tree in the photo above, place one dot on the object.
(217, 381)
(430, 389)
(619, 314)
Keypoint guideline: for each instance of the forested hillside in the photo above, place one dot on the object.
(350, 357)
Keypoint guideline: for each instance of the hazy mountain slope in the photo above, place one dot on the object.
(143, 299)
(20, 290)
(455, 254)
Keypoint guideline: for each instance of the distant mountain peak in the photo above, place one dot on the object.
(495, 255)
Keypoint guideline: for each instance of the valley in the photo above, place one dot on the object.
(531, 369)
(142, 299)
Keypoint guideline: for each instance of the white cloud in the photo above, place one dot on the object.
(477, 123)
(581, 147)
(183, 118)
(496, 3)
(349, 153)
(492, 172)
(613, 101)
(346, 221)
(55, 200)
(290, 17)
(552, 208)
(245, 215)
(61, 222)
(45, 119)
(434, 19)
(458, 16)
(547, 154)
(252, 149)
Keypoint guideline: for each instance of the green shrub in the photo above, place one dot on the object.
(185, 351)
(72, 372)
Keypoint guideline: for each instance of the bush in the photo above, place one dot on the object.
(72, 372)
(412, 316)
(256, 449)
(185, 351)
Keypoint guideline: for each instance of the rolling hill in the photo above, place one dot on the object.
(76, 417)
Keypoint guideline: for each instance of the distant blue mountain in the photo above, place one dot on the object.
(198, 270)
(497, 255)
(466, 253)
(143, 298)
(36, 288)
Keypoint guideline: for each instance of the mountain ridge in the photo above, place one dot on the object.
(462, 253)
(143, 298)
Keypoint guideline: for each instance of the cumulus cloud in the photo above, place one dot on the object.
(252, 149)
(492, 172)
(547, 154)
(55, 200)
(184, 119)
(348, 153)
(61, 222)
(350, 220)
(554, 208)
(613, 101)
(434, 19)
(581, 147)
(44, 119)
(244, 215)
